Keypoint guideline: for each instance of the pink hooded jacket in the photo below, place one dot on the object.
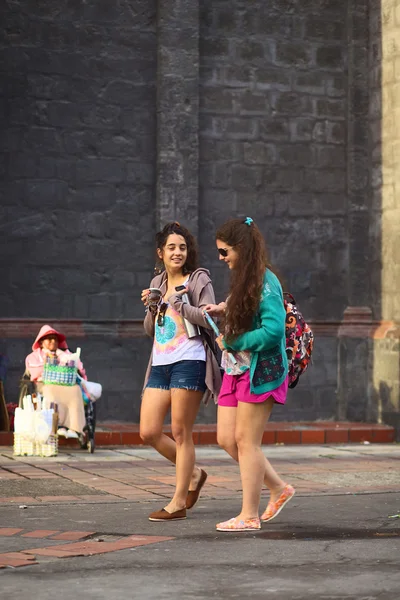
(34, 362)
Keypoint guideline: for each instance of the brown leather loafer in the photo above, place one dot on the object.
(193, 495)
(164, 515)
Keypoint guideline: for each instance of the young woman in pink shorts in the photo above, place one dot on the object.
(253, 319)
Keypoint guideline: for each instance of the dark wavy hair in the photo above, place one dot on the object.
(247, 276)
(192, 260)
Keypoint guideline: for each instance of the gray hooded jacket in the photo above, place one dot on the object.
(201, 293)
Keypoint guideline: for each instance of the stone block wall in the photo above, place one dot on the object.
(273, 138)
(117, 116)
(78, 147)
(273, 142)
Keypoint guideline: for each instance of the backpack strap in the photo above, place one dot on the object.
(289, 298)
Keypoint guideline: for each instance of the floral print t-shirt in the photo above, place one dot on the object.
(171, 344)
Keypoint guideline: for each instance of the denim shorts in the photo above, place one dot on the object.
(184, 374)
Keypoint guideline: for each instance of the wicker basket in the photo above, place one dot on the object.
(59, 374)
(26, 447)
(50, 448)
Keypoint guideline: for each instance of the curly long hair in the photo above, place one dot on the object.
(192, 260)
(247, 276)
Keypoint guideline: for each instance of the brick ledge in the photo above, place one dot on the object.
(320, 432)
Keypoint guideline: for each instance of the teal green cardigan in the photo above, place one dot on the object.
(266, 341)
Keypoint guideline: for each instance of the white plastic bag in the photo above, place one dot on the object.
(24, 423)
(43, 420)
(94, 389)
(33, 425)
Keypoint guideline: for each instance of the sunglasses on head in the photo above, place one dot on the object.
(223, 252)
(161, 314)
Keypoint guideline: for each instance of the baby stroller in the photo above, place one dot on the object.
(86, 440)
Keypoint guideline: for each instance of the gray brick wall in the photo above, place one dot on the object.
(78, 85)
(87, 166)
(273, 146)
(177, 112)
(273, 138)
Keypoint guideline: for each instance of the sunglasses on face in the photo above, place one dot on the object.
(223, 252)
(161, 314)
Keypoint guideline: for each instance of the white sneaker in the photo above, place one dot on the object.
(62, 432)
(72, 434)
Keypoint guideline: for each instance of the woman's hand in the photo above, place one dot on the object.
(145, 297)
(220, 342)
(178, 293)
(215, 310)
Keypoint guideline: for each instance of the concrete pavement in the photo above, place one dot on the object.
(334, 540)
(140, 474)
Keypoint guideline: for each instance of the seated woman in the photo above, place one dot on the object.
(50, 342)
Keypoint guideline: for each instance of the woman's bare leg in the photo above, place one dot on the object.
(250, 425)
(184, 408)
(226, 436)
(155, 406)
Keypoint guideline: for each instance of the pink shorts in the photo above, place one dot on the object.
(236, 388)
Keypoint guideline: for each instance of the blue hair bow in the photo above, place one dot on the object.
(248, 221)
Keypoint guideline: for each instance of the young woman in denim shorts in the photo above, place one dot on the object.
(253, 318)
(182, 370)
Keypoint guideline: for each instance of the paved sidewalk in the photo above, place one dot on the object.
(76, 526)
(140, 474)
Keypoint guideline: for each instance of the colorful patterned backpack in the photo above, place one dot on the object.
(299, 340)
